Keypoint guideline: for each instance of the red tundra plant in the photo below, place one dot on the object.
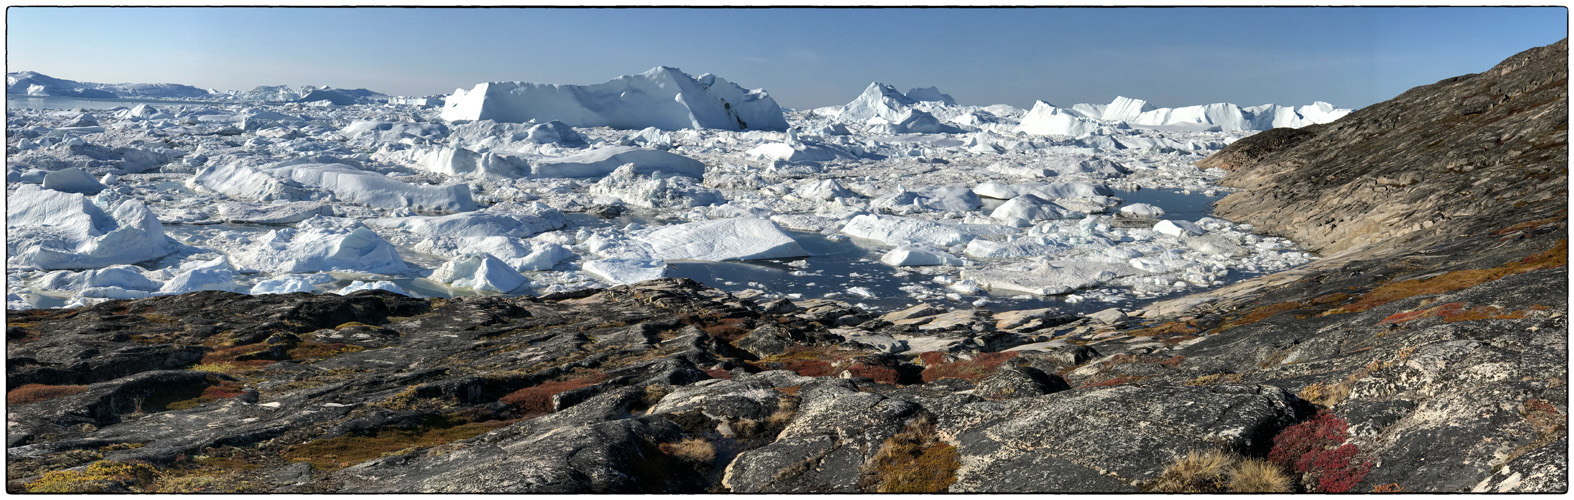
(1317, 447)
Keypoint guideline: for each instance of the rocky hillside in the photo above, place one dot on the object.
(1439, 162)
(1413, 357)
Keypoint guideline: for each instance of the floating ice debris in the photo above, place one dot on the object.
(321, 244)
(479, 271)
(727, 239)
(1177, 228)
(600, 162)
(919, 256)
(53, 230)
(357, 285)
(73, 180)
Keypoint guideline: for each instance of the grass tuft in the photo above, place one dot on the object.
(691, 449)
(33, 393)
(912, 461)
(1255, 475)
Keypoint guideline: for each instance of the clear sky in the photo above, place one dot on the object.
(1351, 56)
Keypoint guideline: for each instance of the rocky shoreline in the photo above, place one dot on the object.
(1427, 352)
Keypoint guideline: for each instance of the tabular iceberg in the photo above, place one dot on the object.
(664, 97)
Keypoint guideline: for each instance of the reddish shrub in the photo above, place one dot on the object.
(728, 329)
(222, 391)
(809, 367)
(538, 399)
(1114, 381)
(932, 358)
(719, 373)
(1318, 447)
(971, 370)
(230, 354)
(33, 393)
(878, 373)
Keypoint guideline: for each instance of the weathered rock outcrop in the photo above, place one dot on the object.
(1441, 161)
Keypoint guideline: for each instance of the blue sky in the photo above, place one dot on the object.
(1351, 57)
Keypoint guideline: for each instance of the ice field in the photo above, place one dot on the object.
(528, 188)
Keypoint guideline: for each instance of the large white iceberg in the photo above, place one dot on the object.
(878, 100)
(664, 97)
(1046, 119)
(54, 230)
(725, 239)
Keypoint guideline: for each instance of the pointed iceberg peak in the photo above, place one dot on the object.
(878, 100)
(930, 94)
(1126, 109)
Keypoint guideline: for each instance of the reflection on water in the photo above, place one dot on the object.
(1177, 204)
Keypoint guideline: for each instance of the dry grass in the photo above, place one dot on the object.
(1255, 475)
(99, 477)
(786, 409)
(1196, 472)
(1173, 328)
(1217, 471)
(1261, 313)
(1216, 378)
(691, 449)
(912, 461)
(1557, 256)
(344, 451)
(33, 393)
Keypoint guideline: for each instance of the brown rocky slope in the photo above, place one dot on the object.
(1440, 161)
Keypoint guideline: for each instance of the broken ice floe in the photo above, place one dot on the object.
(947, 200)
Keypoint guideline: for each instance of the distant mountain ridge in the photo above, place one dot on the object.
(38, 84)
(32, 83)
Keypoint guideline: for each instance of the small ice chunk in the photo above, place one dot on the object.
(358, 285)
(213, 274)
(726, 239)
(281, 212)
(1141, 210)
(824, 189)
(622, 271)
(1026, 209)
(73, 180)
(909, 255)
(289, 284)
(1177, 228)
(321, 244)
(479, 271)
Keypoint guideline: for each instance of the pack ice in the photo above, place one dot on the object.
(513, 187)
